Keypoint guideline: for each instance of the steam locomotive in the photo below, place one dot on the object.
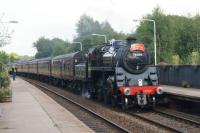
(117, 72)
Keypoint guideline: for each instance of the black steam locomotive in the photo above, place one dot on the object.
(117, 72)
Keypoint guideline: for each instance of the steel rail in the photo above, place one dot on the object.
(177, 117)
(153, 122)
(81, 106)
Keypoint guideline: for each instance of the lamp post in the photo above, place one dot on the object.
(81, 45)
(154, 29)
(12, 22)
(105, 37)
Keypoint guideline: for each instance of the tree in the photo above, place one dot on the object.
(47, 47)
(176, 35)
(194, 58)
(26, 57)
(4, 57)
(60, 46)
(44, 47)
(145, 34)
(87, 26)
(14, 57)
(5, 34)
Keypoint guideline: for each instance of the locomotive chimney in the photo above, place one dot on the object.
(130, 40)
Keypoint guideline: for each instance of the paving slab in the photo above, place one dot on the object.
(32, 111)
(186, 92)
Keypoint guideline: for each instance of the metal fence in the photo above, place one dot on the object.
(179, 75)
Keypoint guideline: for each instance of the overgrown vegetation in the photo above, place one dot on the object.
(4, 77)
(86, 26)
(185, 84)
(51, 47)
(4, 81)
(178, 37)
(5, 58)
(5, 92)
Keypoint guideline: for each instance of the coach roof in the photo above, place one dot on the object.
(44, 59)
(70, 55)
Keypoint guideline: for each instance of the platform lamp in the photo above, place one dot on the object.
(81, 45)
(154, 27)
(105, 37)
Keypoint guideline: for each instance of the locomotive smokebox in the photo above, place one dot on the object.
(130, 40)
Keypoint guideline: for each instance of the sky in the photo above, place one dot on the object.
(58, 18)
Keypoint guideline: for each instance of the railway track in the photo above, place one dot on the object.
(113, 124)
(159, 118)
(141, 116)
(194, 120)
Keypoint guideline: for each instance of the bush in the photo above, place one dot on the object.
(4, 82)
(176, 60)
(194, 58)
(185, 84)
(5, 92)
(4, 79)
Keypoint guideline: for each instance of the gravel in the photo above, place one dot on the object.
(127, 121)
(172, 122)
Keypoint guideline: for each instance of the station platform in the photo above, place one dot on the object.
(185, 93)
(32, 111)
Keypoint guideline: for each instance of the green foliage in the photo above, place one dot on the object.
(4, 78)
(86, 26)
(60, 46)
(4, 57)
(194, 57)
(14, 57)
(47, 47)
(176, 60)
(185, 84)
(26, 57)
(176, 35)
(5, 92)
(44, 47)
